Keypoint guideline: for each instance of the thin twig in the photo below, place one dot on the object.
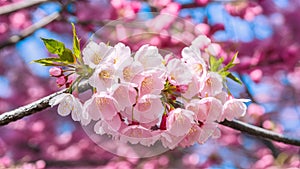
(268, 143)
(30, 30)
(196, 5)
(7, 9)
(260, 132)
(43, 103)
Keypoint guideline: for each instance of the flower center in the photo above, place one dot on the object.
(104, 74)
(127, 73)
(116, 60)
(198, 68)
(208, 82)
(102, 101)
(97, 59)
(144, 106)
(147, 84)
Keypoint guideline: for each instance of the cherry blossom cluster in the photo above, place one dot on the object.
(143, 97)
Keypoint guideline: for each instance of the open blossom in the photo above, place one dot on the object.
(213, 84)
(143, 99)
(68, 104)
(129, 73)
(170, 141)
(106, 105)
(193, 88)
(192, 137)
(201, 42)
(234, 108)
(90, 107)
(194, 61)
(148, 108)
(120, 57)
(207, 111)
(101, 106)
(151, 81)
(110, 127)
(94, 54)
(103, 77)
(179, 73)
(214, 49)
(124, 94)
(180, 121)
(149, 57)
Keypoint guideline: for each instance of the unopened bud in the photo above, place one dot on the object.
(60, 81)
(182, 88)
(55, 71)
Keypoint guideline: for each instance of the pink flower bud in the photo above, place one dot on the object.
(70, 80)
(55, 71)
(60, 81)
(182, 88)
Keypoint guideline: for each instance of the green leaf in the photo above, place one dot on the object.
(54, 46)
(224, 74)
(215, 63)
(233, 58)
(48, 61)
(67, 56)
(230, 64)
(232, 77)
(76, 44)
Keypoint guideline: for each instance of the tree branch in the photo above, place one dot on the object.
(27, 110)
(43, 103)
(7, 9)
(260, 132)
(30, 30)
(196, 5)
(76, 163)
(34, 107)
(268, 143)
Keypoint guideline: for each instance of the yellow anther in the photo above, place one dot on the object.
(147, 83)
(208, 82)
(127, 73)
(104, 74)
(101, 101)
(199, 68)
(116, 60)
(96, 59)
(144, 106)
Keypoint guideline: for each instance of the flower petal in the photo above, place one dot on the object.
(234, 108)
(106, 105)
(179, 122)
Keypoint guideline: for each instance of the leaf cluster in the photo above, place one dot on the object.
(65, 55)
(216, 66)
